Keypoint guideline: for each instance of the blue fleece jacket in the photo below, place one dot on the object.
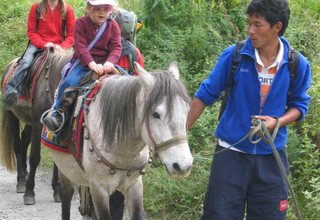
(244, 99)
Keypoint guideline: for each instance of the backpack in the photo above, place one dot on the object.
(293, 64)
(127, 21)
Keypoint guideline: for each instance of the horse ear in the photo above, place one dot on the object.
(146, 77)
(174, 70)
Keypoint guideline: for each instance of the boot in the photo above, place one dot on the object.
(13, 88)
(10, 98)
(54, 120)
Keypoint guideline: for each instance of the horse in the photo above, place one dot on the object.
(127, 120)
(15, 144)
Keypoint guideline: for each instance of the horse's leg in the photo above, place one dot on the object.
(55, 184)
(29, 196)
(116, 205)
(22, 158)
(17, 144)
(100, 199)
(66, 193)
(86, 205)
(134, 200)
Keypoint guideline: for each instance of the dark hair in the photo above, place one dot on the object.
(272, 10)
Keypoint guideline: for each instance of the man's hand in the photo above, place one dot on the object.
(269, 121)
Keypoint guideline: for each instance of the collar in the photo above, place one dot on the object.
(278, 59)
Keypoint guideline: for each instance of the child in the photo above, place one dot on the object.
(100, 59)
(48, 22)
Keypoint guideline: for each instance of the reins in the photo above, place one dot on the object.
(259, 128)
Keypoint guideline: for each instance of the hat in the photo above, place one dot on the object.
(103, 2)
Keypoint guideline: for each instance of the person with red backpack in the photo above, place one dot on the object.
(248, 176)
(50, 24)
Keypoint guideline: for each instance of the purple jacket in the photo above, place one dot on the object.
(107, 48)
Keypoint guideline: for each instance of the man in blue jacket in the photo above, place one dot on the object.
(246, 176)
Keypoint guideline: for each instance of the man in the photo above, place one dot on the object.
(246, 176)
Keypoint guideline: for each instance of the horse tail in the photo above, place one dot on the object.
(6, 142)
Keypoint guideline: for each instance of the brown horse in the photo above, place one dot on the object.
(39, 98)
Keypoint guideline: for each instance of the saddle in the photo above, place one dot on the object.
(69, 138)
(28, 85)
(75, 101)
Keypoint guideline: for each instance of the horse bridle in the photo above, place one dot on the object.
(166, 144)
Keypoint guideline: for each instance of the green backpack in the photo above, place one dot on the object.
(127, 21)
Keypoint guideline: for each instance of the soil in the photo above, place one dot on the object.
(11, 203)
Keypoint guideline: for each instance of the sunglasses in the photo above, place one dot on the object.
(105, 8)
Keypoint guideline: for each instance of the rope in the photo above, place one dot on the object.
(259, 129)
(267, 137)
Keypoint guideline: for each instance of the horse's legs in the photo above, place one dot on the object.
(134, 201)
(29, 196)
(66, 193)
(116, 205)
(55, 183)
(22, 164)
(25, 141)
(20, 147)
(100, 200)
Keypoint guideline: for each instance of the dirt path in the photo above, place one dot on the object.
(11, 203)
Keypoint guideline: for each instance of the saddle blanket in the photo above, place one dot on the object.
(49, 140)
(74, 142)
(29, 84)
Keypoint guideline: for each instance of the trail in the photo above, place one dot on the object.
(11, 203)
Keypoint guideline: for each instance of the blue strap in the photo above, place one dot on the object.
(122, 70)
(101, 30)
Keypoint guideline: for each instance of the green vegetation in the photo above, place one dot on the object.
(194, 33)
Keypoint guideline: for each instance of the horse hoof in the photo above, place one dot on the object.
(21, 188)
(29, 200)
(57, 198)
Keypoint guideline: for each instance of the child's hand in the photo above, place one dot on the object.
(108, 67)
(98, 68)
(57, 47)
(49, 44)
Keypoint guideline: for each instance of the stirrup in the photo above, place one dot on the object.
(45, 114)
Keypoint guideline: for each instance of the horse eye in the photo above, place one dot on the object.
(156, 115)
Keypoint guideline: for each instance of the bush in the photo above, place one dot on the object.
(194, 33)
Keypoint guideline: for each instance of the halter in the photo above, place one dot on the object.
(165, 144)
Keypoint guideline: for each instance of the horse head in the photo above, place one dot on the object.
(165, 104)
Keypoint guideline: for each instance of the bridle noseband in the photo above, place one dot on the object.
(166, 144)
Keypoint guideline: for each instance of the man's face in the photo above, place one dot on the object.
(261, 32)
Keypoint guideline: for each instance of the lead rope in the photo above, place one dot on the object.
(259, 128)
(267, 137)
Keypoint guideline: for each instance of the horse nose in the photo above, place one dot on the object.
(177, 167)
